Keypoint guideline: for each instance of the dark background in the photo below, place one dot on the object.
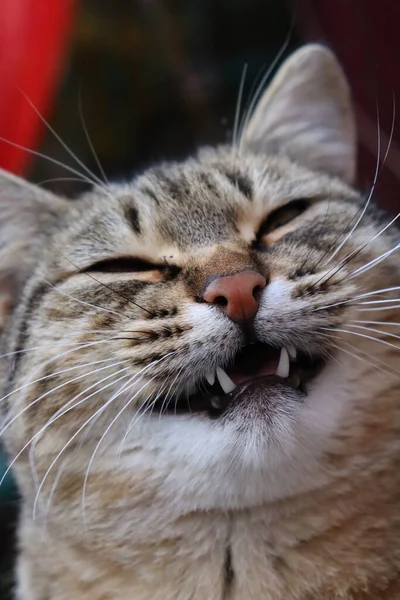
(154, 79)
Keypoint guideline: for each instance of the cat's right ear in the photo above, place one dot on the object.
(306, 115)
(27, 214)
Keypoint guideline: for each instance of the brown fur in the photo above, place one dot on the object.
(278, 499)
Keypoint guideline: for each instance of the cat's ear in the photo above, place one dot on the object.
(27, 214)
(306, 114)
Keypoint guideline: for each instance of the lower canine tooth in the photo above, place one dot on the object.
(225, 381)
(284, 364)
(211, 377)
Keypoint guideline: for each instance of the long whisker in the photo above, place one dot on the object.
(332, 272)
(358, 297)
(89, 141)
(67, 407)
(363, 335)
(372, 364)
(44, 364)
(350, 233)
(363, 322)
(60, 471)
(238, 105)
(374, 330)
(58, 387)
(33, 438)
(61, 141)
(55, 162)
(144, 408)
(108, 287)
(261, 86)
(119, 413)
(82, 427)
(373, 263)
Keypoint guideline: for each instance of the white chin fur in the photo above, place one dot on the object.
(203, 463)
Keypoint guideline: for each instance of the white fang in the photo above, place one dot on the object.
(284, 364)
(225, 381)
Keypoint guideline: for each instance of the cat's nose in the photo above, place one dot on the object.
(236, 295)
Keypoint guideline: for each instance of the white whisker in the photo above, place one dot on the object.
(367, 202)
(363, 335)
(47, 362)
(373, 263)
(67, 407)
(58, 387)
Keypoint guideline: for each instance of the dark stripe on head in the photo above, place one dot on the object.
(37, 294)
(132, 216)
(241, 182)
(149, 192)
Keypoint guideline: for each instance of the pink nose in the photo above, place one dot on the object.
(237, 295)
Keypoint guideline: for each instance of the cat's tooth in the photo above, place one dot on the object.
(284, 364)
(210, 377)
(292, 352)
(225, 381)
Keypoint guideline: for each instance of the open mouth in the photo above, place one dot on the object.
(257, 364)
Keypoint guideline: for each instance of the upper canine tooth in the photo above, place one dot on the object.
(211, 377)
(225, 381)
(284, 365)
(292, 352)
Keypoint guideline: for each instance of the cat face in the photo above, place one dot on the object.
(190, 322)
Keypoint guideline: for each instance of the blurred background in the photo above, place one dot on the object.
(124, 83)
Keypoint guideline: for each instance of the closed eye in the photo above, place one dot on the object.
(283, 215)
(129, 264)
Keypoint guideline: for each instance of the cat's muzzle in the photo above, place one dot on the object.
(256, 367)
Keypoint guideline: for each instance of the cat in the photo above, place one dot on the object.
(200, 368)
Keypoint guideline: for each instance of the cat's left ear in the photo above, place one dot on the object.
(28, 214)
(306, 114)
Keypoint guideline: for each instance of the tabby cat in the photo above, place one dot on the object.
(201, 393)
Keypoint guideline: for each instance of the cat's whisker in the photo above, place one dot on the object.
(55, 162)
(31, 440)
(89, 141)
(363, 335)
(394, 372)
(84, 303)
(385, 300)
(166, 401)
(147, 407)
(260, 88)
(237, 111)
(47, 362)
(361, 358)
(364, 322)
(373, 309)
(372, 263)
(67, 444)
(58, 387)
(140, 375)
(359, 297)
(115, 292)
(332, 272)
(367, 203)
(53, 419)
(67, 406)
(127, 405)
(374, 330)
(58, 345)
(61, 179)
(82, 427)
(61, 141)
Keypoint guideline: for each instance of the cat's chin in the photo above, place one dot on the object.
(259, 378)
